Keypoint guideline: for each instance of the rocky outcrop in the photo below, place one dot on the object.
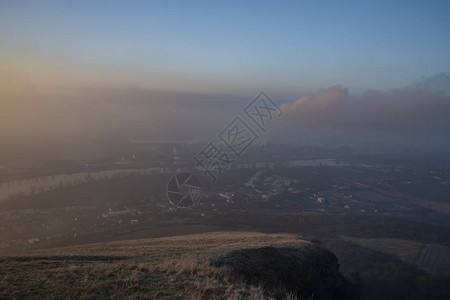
(308, 273)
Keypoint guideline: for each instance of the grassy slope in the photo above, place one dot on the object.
(171, 267)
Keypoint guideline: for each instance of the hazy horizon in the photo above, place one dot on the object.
(109, 71)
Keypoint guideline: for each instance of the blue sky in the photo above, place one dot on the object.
(288, 47)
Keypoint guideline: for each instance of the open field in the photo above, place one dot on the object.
(434, 258)
(398, 247)
(379, 196)
(441, 207)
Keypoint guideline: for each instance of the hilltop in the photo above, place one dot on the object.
(216, 265)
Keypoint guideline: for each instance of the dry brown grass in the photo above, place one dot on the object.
(161, 268)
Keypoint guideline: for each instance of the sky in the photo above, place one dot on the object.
(224, 47)
(74, 72)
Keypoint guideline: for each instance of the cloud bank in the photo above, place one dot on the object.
(416, 114)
